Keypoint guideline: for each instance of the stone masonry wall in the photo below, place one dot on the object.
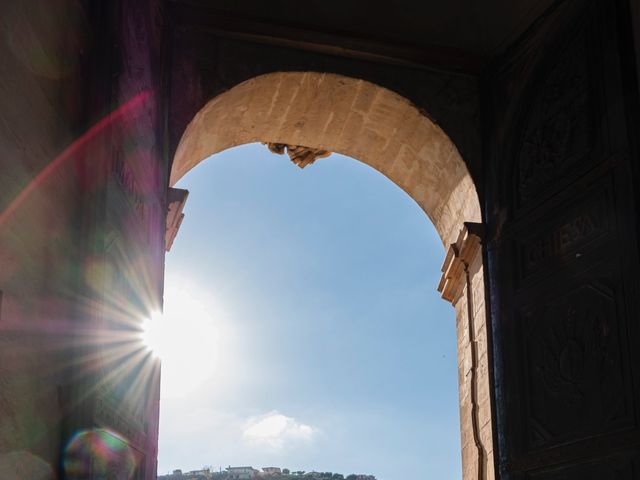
(41, 102)
(463, 285)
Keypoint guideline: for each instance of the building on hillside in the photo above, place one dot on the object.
(175, 475)
(204, 474)
(271, 470)
(241, 473)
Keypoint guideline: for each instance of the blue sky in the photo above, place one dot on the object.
(311, 335)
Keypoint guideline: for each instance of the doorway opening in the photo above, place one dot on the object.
(303, 326)
(309, 115)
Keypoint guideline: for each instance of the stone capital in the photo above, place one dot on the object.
(176, 199)
(459, 255)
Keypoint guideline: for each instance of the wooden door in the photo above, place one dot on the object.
(562, 252)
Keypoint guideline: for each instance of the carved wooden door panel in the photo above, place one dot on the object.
(563, 251)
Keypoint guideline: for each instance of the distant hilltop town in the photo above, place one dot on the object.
(270, 473)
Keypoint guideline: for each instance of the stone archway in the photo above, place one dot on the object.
(327, 112)
(344, 115)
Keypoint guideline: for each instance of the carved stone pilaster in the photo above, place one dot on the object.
(459, 254)
(462, 285)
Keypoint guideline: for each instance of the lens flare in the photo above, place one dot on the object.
(98, 453)
(186, 337)
(132, 106)
(153, 332)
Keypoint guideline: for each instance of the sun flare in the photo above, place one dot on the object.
(152, 336)
(185, 337)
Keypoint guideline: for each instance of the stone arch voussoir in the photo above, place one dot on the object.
(344, 115)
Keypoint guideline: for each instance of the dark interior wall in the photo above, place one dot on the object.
(562, 249)
(634, 10)
(123, 195)
(203, 65)
(81, 181)
(141, 27)
(41, 111)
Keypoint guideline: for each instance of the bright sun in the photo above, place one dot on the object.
(152, 333)
(185, 337)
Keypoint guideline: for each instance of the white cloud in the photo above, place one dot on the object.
(276, 431)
